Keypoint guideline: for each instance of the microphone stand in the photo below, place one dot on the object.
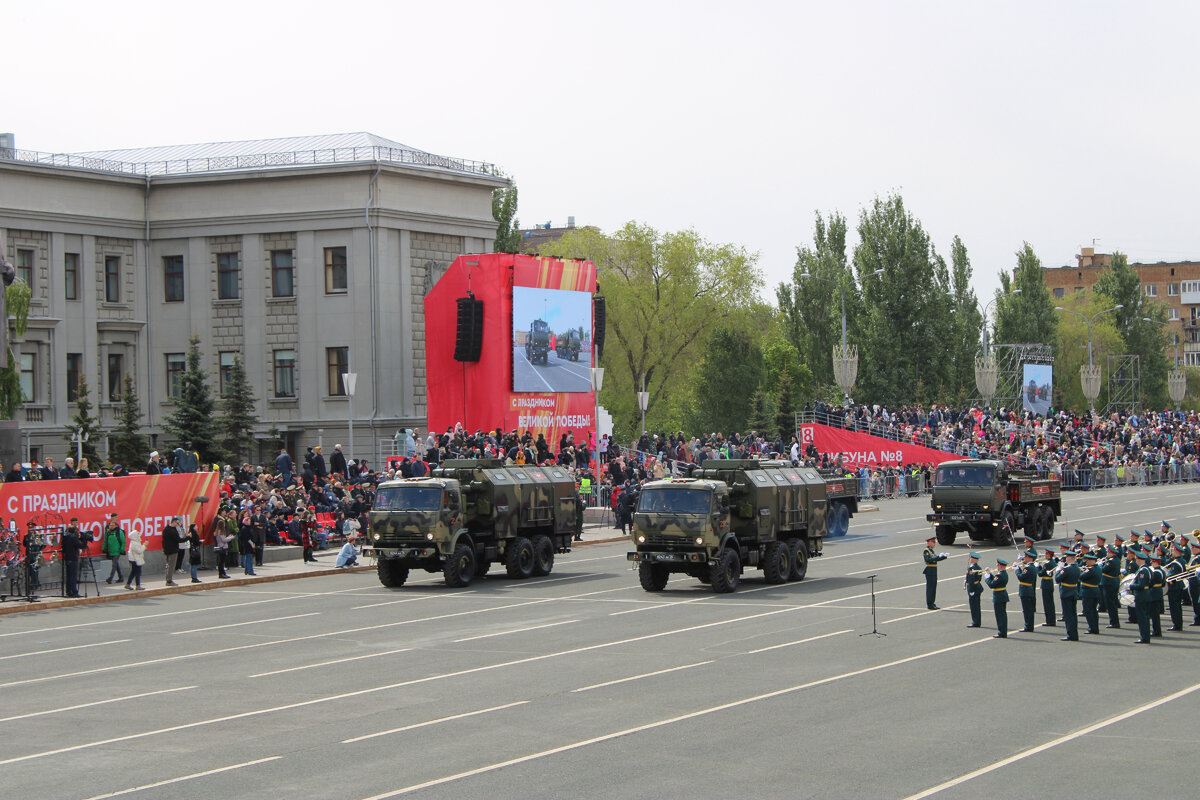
(874, 625)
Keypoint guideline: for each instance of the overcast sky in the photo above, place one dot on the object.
(1056, 123)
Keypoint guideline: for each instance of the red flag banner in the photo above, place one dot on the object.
(861, 450)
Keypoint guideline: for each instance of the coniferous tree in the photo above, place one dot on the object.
(191, 422)
(127, 445)
(238, 419)
(82, 422)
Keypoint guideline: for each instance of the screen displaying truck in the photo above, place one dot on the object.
(675, 501)
(551, 340)
(408, 498)
(964, 476)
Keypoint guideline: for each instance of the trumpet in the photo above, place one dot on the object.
(1183, 576)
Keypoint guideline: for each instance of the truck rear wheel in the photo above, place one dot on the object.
(839, 520)
(543, 555)
(1004, 531)
(391, 572)
(945, 535)
(653, 576)
(518, 558)
(1047, 529)
(799, 551)
(777, 562)
(726, 574)
(459, 568)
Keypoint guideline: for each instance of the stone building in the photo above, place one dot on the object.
(303, 257)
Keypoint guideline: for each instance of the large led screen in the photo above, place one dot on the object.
(1036, 388)
(552, 340)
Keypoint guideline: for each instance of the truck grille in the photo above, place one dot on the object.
(662, 540)
(402, 538)
(960, 508)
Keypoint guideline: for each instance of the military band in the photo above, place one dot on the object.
(1027, 587)
(1089, 584)
(1067, 579)
(997, 581)
(1110, 584)
(1046, 573)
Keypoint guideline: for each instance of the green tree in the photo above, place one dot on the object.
(966, 325)
(191, 421)
(84, 423)
(237, 421)
(504, 212)
(762, 412)
(785, 409)
(731, 359)
(664, 293)
(16, 296)
(1071, 346)
(1028, 317)
(126, 444)
(780, 363)
(1148, 340)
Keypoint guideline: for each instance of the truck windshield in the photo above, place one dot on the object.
(408, 498)
(964, 476)
(676, 501)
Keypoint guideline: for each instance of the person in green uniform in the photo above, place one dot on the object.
(1110, 583)
(931, 562)
(1157, 606)
(1089, 581)
(579, 508)
(998, 582)
(1194, 581)
(1027, 587)
(1131, 566)
(974, 584)
(1100, 550)
(1141, 593)
(1174, 568)
(1068, 592)
(1046, 573)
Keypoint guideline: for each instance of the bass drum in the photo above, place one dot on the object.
(1125, 592)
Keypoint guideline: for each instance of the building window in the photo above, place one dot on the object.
(1192, 359)
(28, 361)
(1190, 286)
(116, 372)
(71, 276)
(335, 270)
(74, 370)
(1151, 290)
(283, 274)
(1172, 290)
(25, 266)
(226, 371)
(227, 276)
(1172, 313)
(112, 279)
(176, 364)
(1058, 293)
(285, 373)
(338, 359)
(173, 279)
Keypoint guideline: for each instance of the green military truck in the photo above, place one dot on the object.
(469, 514)
(990, 502)
(537, 343)
(732, 514)
(567, 345)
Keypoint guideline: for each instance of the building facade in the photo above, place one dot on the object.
(305, 258)
(1176, 285)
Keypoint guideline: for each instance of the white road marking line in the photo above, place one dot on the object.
(518, 630)
(184, 778)
(96, 703)
(328, 663)
(643, 608)
(394, 602)
(1054, 743)
(661, 723)
(61, 649)
(910, 616)
(240, 624)
(801, 641)
(436, 721)
(866, 552)
(638, 677)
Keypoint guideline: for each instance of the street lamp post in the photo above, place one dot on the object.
(845, 361)
(987, 374)
(1176, 378)
(643, 402)
(1089, 376)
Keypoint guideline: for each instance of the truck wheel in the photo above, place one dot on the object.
(799, 551)
(459, 568)
(1047, 523)
(482, 565)
(653, 576)
(391, 572)
(839, 520)
(543, 555)
(518, 558)
(727, 572)
(945, 535)
(1033, 525)
(777, 562)
(1004, 531)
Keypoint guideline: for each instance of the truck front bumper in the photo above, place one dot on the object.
(407, 553)
(946, 518)
(655, 557)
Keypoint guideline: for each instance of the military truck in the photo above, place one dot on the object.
(732, 514)
(537, 343)
(567, 345)
(990, 502)
(469, 514)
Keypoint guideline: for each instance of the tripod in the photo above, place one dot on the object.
(874, 625)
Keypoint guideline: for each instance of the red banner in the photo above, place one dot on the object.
(860, 450)
(144, 503)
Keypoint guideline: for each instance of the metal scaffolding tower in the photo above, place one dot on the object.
(1010, 360)
(1124, 383)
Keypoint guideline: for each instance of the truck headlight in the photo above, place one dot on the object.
(699, 540)
(938, 506)
(429, 536)
(986, 506)
(641, 538)
(377, 537)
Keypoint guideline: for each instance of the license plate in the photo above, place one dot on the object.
(957, 517)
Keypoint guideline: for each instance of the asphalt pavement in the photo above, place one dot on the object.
(580, 684)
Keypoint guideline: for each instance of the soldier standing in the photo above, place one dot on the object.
(1175, 588)
(1027, 587)
(998, 582)
(1110, 582)
(974, 584)
(931, 562)
(1089, 580)
(1141, 594)
(1068, 592)
(1157, 581)
(1046, 572)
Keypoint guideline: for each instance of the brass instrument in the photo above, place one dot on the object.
(1125, 592)
(1183, 576)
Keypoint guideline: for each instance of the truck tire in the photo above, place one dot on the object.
(726, 574)
(518, 558)
(459, 568)
(1047, 523)
(1033, 525)
(543, 555)
(653, 576)
(1004, 531)
(945, 535)
(391, 572)
(799, 552)
(777, 562)
(839, 520)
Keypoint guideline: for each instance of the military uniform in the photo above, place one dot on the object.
(974, 585)
(931, 562)
(1141, 596)
(1131, 566)
(1027, 589)
(1046, 572)
(998, 583)
(1194, 586)
(1089, 582)
(1099, 552)
(1175, 588)
(1158, 581)
(1110, 584)
(1068, 592)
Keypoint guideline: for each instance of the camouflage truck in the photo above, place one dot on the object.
(732, 514)
(469, 514)
(567, 346)
(989, 502)
(537, 343)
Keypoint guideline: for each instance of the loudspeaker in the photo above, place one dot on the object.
(598, 324)
(468, 339)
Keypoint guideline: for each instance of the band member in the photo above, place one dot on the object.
(1027, 587)
(1101, 543)
(998, 582)
(1131, 567)
(1194, 584)
(1079, 546)
(1110, 584)
(931, 562)
(1046, 573)
(1141, 593)
(1089, 580)
(1068, 592)
(1174, 568)
(1158, 580)
(974, 584)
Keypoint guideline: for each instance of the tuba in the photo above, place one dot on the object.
(1125, 592)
